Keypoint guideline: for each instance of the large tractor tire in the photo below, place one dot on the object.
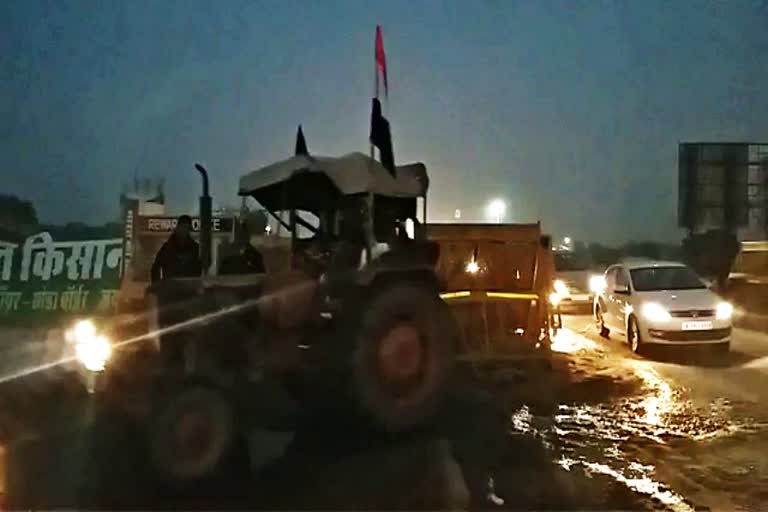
(403, 356)
(193, 433)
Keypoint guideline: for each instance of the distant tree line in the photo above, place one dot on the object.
(18, 220)
(17, 217)
(601, 255)
(711, 253)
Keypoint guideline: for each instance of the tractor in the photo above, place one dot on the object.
(346, 319)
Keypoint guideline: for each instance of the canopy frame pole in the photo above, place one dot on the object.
(369, 234)
(282, 205)
(280, 222)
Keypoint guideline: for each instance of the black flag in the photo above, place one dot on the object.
(381, 137)
(301, 144)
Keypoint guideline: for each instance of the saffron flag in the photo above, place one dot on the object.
(381, 63)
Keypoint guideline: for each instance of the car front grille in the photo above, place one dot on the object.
(693, 313)
(708, 335)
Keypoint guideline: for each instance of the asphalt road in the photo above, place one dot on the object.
(605, 429)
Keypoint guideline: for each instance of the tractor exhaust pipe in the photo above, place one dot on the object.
(205, 221)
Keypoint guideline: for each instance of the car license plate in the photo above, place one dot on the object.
(697, 325)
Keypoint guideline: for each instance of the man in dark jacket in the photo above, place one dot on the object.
(178, 257)
(180, 254)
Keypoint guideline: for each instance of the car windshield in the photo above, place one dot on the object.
(665, 278)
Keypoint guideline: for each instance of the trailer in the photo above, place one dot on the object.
(498, 279)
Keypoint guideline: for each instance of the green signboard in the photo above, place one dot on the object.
(42, 278)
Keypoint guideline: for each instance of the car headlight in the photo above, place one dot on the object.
(561, 288)
(724, 311)
(91, 348)
(655, 312)
(597, 284)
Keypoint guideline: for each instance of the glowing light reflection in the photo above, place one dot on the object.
(594, 436)
(568, 342)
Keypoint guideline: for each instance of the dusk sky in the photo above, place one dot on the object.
(571, 111)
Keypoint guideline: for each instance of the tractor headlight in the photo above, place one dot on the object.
(724, 311)
(92, 349)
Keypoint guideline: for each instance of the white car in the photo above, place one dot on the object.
(573, 277)
(661, 303)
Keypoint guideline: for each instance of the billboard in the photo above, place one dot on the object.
(722, 185)
(45, 278)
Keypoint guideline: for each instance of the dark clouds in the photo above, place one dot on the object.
(570, 110)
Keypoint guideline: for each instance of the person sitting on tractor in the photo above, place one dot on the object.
(180, 254)
(243, 257)
(351, 237)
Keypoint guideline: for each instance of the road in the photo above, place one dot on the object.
(605, 429)
(686, 428)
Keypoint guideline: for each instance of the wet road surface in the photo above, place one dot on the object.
(605, 429)
(690, 431)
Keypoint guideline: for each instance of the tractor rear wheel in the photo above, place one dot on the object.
(403, 356)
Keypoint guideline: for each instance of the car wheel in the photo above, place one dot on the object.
(600, 323)
(633, 336)
(403, 356)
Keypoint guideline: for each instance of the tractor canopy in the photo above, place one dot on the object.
(316, 179)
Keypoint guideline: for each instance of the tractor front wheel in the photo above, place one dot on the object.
(403, 355)
(192, 433)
